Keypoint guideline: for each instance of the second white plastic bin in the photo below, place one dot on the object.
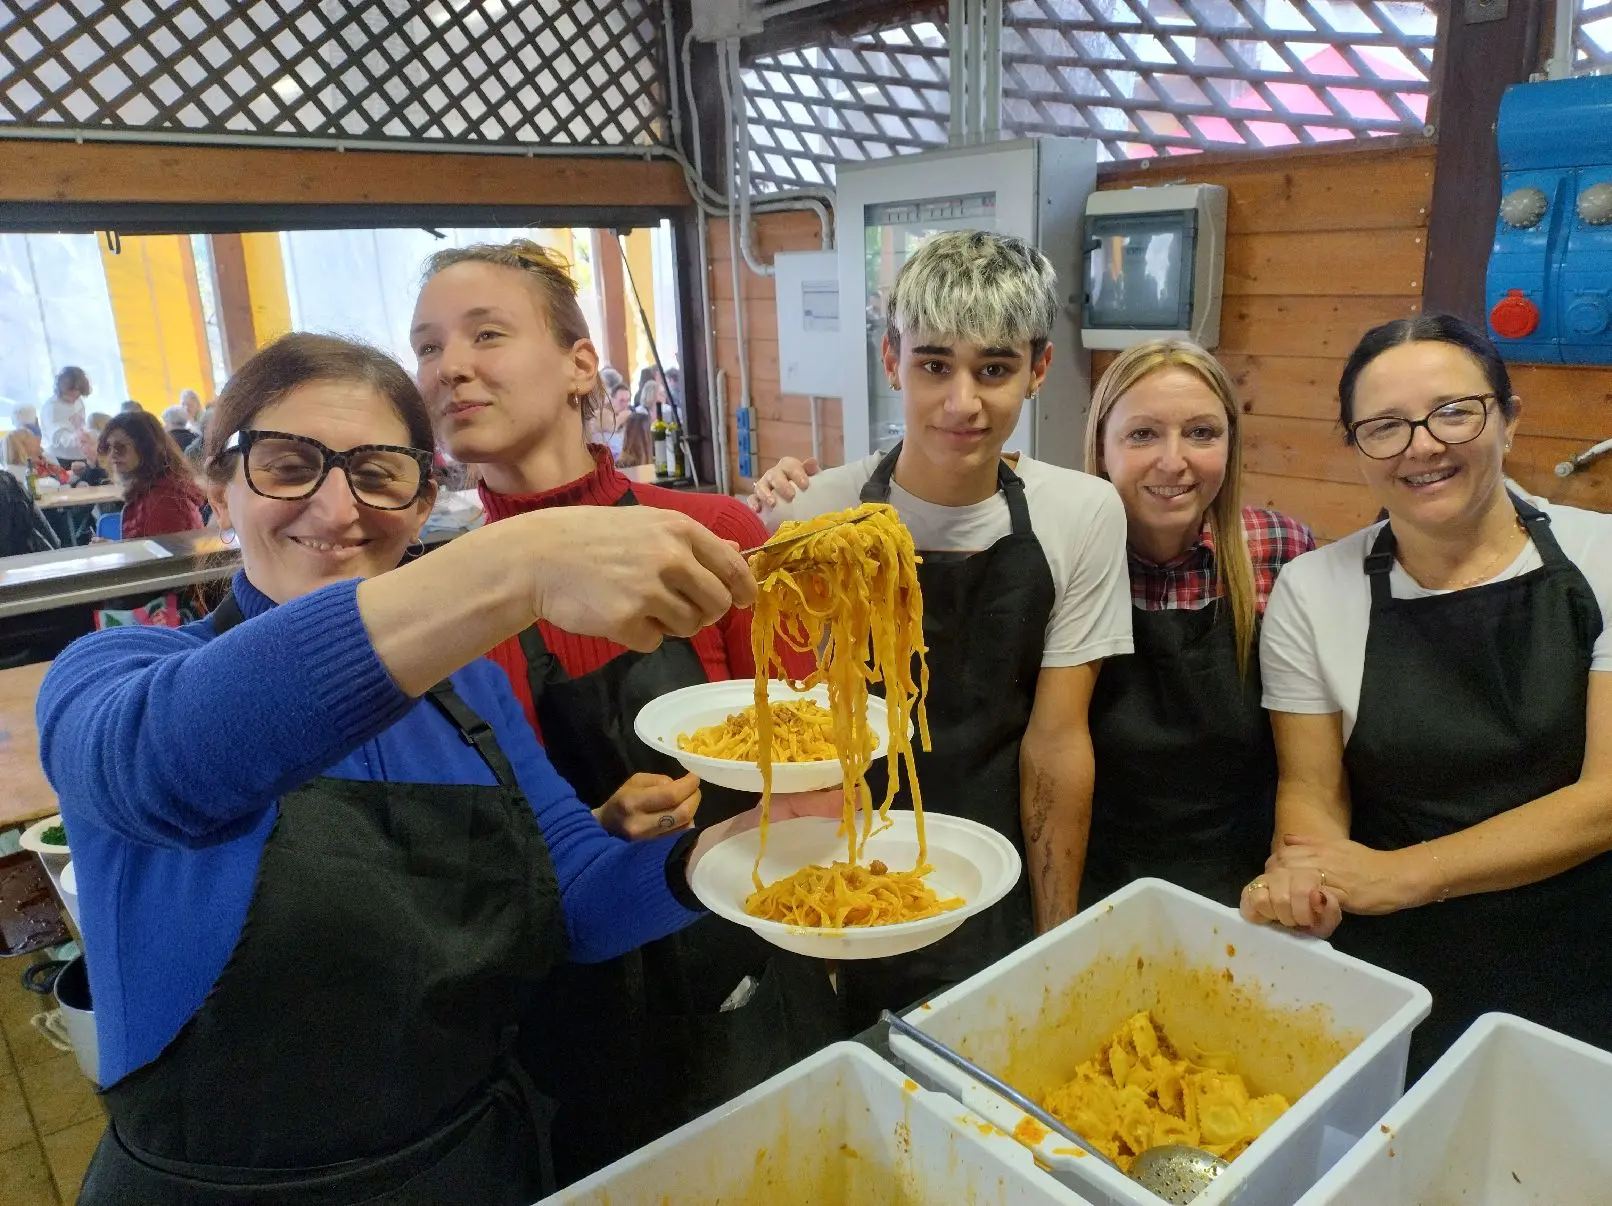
(1512, 1115)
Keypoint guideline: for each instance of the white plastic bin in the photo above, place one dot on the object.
(1512, 1115)
(1325, 1030)
(840, 1127)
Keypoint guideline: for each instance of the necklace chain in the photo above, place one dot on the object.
(1489, 566)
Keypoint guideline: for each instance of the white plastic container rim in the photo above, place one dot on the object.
(870, 1087)
(1101, 1181)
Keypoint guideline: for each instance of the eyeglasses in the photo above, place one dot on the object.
(1457, 422)
(387, 477)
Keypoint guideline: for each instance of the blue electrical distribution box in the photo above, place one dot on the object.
(1549, 293)
(744, 421)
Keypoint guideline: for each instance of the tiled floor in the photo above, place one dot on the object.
(50, 1117)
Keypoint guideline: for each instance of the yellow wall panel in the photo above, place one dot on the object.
(157, 332)
(265, 276)
(641, 259)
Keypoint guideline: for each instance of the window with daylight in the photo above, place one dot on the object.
(1143, 77)
(457, 71)
(1593, 35)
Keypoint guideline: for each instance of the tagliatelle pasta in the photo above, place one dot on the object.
(845, 894)
(845, 586)
(802, 731)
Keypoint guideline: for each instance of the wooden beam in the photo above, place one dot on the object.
(614, 348)
(1476, 62)
(47, 170)
(198, 320)
(233, 291)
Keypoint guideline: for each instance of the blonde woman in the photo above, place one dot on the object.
(1186, 768)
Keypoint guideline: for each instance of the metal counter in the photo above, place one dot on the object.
(148, 567)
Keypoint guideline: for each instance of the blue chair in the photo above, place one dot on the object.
(110, 527)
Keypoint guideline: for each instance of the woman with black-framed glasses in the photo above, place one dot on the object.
(324, 863)
(1440, 687)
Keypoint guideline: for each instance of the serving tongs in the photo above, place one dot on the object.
(775, 543)
(1174, 1171)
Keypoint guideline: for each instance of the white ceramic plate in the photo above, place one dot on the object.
(70, 880)
(33, 839)
(969, 860)
(661, 721)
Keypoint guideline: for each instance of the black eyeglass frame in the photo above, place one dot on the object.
(243, 440)
(1425, 421)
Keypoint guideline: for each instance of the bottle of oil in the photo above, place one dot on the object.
(659, 433)
(674, 448)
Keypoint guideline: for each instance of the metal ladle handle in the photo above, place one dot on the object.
(1000, 1088)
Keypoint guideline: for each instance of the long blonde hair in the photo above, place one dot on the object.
(1234, 569)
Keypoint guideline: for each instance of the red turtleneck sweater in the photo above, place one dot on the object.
(724, 648)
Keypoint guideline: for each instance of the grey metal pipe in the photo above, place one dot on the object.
(741, 118)
(991, 119)
(1561, 55)
(956, 41)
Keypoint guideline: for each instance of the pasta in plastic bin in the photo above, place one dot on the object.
(1139, 1092)
(845, 585)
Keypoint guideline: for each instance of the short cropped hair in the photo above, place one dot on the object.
(977, 285)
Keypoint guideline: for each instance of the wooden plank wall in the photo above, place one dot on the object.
(1321, 246)
(784, 421)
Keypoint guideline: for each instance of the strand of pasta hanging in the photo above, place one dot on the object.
(845, 587)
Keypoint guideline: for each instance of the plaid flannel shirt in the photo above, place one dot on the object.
(1188, 581)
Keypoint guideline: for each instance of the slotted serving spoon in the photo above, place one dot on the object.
(1175, 1172)
(775, 543)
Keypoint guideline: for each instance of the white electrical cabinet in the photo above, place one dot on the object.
(810, 360)
(1033, 188)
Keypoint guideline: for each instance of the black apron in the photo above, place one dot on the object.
(1472, 703)
(1186, 766)
(635, 1047)
(985, 625)
(357, 1045)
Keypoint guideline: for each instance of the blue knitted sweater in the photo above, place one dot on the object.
(169, 747)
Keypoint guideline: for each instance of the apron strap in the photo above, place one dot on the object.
(474, 731)
(542, 667)
(877, 489)
(1380, 561)
(1537, 524)
(227, 614)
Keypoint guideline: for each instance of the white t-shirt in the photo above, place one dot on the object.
(61, 422)
(1078, 519)
(1312, 650)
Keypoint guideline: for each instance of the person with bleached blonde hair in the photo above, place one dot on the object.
(1186, 768)
(1024, 584)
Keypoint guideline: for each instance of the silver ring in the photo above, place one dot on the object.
(667, 820)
